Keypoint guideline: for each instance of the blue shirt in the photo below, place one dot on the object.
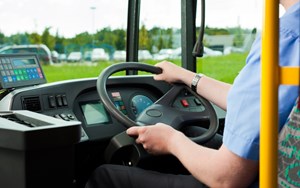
(242, 123)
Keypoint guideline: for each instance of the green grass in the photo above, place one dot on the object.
(66, 71)
(224, 68)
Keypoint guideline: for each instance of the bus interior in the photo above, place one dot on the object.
(54, 134)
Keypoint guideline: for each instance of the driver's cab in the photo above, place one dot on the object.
(60, 121)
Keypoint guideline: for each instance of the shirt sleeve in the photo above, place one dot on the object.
(242, 123)
(241, 133)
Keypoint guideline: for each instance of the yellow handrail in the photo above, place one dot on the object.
(269, 96)
(289, 76)
(271, 77)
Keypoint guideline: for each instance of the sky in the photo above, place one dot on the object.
(70, 17)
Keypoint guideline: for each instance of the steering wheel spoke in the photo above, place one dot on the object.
(168, 98)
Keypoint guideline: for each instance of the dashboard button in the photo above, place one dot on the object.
(184, 103)
(64, 100)
(70, 116)
(64, 117)
(154, 113)
(57, 116)
(59, 100)
(197, 101)
(52, 103)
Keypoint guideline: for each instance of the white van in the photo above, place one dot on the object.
(99, 54)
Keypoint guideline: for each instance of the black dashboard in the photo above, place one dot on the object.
(79, 100)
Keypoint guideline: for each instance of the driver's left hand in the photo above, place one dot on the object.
(156, 139)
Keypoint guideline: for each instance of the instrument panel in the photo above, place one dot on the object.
(139, 103)
(79, 100)
(97, 122)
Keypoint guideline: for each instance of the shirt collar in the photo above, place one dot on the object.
(293, 8)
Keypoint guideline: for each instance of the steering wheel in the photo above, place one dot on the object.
(162, 110)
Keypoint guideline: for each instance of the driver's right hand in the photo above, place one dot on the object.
(172, 73)
(156, 139)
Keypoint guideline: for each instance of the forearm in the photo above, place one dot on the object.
(214, 91)
(215, 168)
(197, 159)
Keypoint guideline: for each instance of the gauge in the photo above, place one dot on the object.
(139, 103)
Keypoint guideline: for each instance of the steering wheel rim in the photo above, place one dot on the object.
(127, 122)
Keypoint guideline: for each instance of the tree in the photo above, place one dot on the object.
(48, 39)
(83, 39)
(170, 38)
(120, 36)
(35, 38)
(160, 44)
(238, 39)
(2, 38)
(144, 38)
(19, 38)
(104, 36)
(59, 43)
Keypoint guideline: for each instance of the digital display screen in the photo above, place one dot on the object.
(94, 114)
(23, 62)
(19, 70)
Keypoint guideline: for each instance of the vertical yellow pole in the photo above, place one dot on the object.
(269, 96)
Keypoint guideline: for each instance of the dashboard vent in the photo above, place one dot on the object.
(32, 104)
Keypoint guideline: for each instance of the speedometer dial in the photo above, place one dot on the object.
(139, 103)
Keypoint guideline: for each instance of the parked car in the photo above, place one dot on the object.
(87, 56)
(120, 55)
(210, 52)
(144, 54)
(62, 57)
(176, 53)
(99, 54)
(54, 55)
(163, 54)
(43, 52)
(74, 57)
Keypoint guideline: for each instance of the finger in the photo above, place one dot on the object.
(157, 77)
(133, 131)
(145, 147)
(136, 131)
(138, 141)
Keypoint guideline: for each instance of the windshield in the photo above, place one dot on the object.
(79, 38)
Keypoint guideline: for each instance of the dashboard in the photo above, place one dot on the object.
(79, 100)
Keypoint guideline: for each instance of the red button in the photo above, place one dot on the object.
(184, 103)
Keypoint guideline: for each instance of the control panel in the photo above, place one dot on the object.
(188, 102)
(18, 70)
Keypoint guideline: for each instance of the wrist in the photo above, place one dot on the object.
(195, 81)
(174, 142)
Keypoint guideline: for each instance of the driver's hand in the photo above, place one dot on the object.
(156, 139)
(172, 73)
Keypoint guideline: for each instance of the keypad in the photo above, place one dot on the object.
(10, 74)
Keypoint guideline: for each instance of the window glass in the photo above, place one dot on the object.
(88, 33)
(230, 29)
(66, 34)
(160, 37)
